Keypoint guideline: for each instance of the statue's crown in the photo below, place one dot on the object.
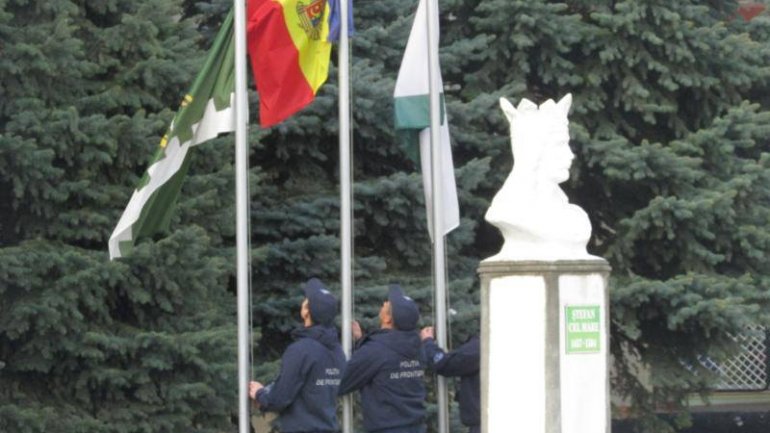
(549, 113)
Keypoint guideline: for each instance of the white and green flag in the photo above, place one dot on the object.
(412, 115)
(205, 112)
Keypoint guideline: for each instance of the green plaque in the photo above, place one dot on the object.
(583, 333)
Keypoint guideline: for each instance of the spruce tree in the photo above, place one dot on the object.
(668, 125)
(669, 130)
(88, 345)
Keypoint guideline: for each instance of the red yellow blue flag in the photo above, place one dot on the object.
(288, 42)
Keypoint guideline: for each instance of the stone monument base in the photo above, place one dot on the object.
(544, 346)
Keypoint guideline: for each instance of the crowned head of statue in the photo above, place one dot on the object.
(540, 139)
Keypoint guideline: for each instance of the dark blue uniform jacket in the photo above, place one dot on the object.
(388, 368)
(462, 362)
(305, 392)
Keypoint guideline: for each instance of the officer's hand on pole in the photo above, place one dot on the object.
(254, 387)
(355, 327)
(427, 332)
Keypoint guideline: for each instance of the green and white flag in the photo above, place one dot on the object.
(206, 111)
(412, 114)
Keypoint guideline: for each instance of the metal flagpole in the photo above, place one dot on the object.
(439, 267)
(241, 212)
(346, 212)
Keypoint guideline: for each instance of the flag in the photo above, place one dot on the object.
(335, 26)
(205, 112)
(412, 116)
(289, 47)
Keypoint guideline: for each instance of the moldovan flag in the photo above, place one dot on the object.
(288, 42)
(412, 115)
(205, 112)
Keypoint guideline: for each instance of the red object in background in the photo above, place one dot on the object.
(750, 10)
(283, 88)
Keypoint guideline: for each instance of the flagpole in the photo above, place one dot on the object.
(346, 212)
(241, 213)
(439, 267)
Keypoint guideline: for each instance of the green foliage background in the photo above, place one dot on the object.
(669, 124)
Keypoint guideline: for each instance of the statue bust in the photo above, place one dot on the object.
(530, 210)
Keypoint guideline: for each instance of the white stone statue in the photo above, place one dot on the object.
(531, 211)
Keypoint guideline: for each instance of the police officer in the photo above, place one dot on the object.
(305, 392)
(387, 366)
(462, 362)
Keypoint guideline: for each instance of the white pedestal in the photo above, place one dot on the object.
(544, 344)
